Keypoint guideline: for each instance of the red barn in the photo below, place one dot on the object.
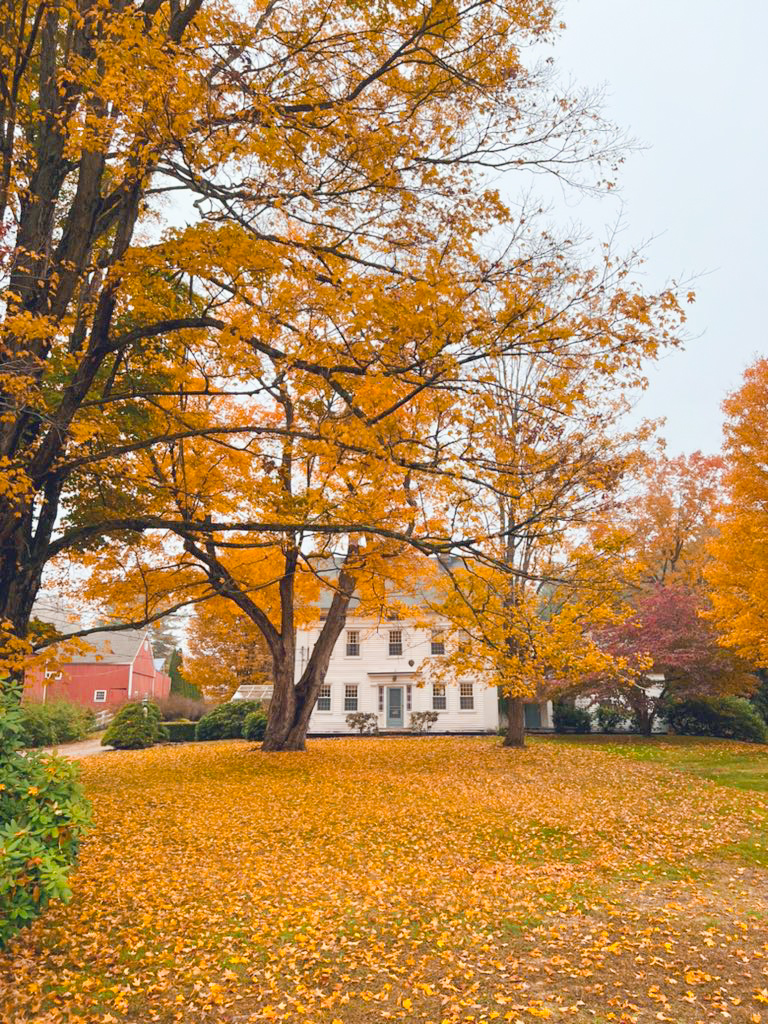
(118, 667)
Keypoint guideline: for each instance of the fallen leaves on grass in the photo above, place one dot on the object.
(438, 880)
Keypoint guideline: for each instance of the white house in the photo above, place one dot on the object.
(374, 669)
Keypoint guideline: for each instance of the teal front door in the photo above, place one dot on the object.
(394, 707)
(532, 716)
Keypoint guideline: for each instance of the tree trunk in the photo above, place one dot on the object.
(515, 734)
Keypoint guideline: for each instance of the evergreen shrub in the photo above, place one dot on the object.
(43, 817)
(568, 718)
(731, 718)
(226, 721)
(255, 725)
(136, 725)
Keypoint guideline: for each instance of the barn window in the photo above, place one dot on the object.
(350, 698)
(395, 642)
(324, 698)
(466, 697)
(99, 696)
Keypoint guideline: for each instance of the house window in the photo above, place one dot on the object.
(353, 643)
(395, 642)
(466, 697)
(381, 700)
(324, 698)
(438, 642)
(350, 698)
(99, 696)
(408, 698)
(439, 702)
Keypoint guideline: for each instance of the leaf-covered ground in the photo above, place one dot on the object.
(435, 880)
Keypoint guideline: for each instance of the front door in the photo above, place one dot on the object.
(394, 707)
(532, 716)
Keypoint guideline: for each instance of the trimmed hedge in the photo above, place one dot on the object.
(730, 718)
(56, 721)
(136, 725)
(226, 721)
(43, 817)
(255, 725)
(180, 732)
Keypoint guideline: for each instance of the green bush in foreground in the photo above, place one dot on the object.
(226, 721)
(180, 732)
(255, 725)
(43, 816)
(730, 718)
(135, 726)
(57, 721)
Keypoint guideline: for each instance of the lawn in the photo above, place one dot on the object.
(432, 880)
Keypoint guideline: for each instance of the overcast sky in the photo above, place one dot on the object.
(689, 79)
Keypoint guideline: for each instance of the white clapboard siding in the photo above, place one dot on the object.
(374, 668)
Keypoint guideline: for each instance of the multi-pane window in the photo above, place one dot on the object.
(466, 697)
(99, 696)
(350, 698)
(438, 642)
(395, 642)
(439, 702)
(353, 643)
(381, 699)
(324, 698)
(408, 698)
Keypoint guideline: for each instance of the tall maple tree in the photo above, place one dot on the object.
(300, 145)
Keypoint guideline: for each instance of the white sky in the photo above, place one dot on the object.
(689, 80)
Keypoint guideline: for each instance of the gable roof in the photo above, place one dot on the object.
(113, 647)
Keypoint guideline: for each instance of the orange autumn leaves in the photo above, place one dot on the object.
(439, 880)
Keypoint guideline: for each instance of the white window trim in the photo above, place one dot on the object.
(359, 645)
(97, 699)
(441, 696)
(467, 711)
(389, 644)
(328, 696)
(349, 696)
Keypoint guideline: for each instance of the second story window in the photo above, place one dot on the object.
(353, 643)
(438, 642)
(324, 698)
(395, 642)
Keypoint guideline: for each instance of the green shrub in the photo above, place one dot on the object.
(180, 732)
(226, 721)
(255, 725)
(609, 718)
(568, 718)
(731, 718)
(135, 726)
(43, 816)
(58, 721)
